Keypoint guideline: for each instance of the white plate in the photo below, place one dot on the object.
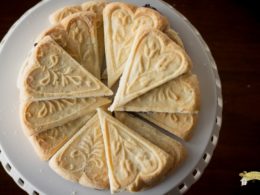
(34, 175)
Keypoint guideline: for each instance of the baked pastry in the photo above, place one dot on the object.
(180, 125)
(48, 142)
(77, 35)
(54, 74)
(180, 95)
(154, 60)
(92, 6)
(121, 22)
(133, 162)
(172, 147)
(37, 116)
(82, 159)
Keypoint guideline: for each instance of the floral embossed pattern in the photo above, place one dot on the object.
(121, 26)
(48, 142)
(180, 95)
(125, 147)
(180, 125)
(42, 115)
(84, 156)
(154, 60)
(88, 8)
(76, 35)
(134, 158)
(54, 74)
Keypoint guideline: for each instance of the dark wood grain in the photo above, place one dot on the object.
(232, 31)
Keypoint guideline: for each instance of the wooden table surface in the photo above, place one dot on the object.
(232, 30)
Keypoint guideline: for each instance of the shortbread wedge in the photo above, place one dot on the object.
(37, 116)
(77, 35)
(180, 95)
(82, 159)
(154, 60)
(171, 146)
(54, 74)
(134, 163)
(121, 23)
(48, 142)
(93, 6)
(180, 125)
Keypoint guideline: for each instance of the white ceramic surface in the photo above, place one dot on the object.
(34, 175)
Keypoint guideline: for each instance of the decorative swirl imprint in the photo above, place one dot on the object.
(126, 149)
(78, 31)
(170, 120)
(124, 31)
(122, 150)
(143, 21)
(54, 60)
(163, 94)
(151, 63)
(82, 47)
(87, 155)
(175, 91)
(179, 118)
(49, 138)
(57, 77)
(52, 74)
(167, 116)
(53, 106)
(43, 109)
(88, 56)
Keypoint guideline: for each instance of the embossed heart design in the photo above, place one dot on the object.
(121, 24)
(77, 36)
(153, 61)
(53, 73)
